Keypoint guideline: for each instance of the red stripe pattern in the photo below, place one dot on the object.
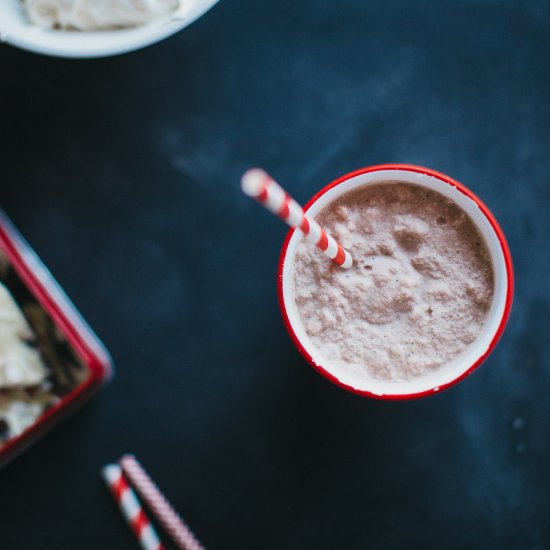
(284, 211)
(131, 508)
(140, 522)
(322, 243)
(118, 488)
(267, 191)
(174, 525)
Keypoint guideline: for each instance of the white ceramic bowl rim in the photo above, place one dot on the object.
(16, 29)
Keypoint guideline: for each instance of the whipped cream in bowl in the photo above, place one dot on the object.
(94, 28)
(96, 15)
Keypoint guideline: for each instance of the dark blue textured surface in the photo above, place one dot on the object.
(111, 169)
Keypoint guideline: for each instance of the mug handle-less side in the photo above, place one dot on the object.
(509, 277)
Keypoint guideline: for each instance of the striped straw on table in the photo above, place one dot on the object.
(158, 504)
(259, 185)
(131, 508)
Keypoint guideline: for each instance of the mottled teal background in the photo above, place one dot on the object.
(123, 173)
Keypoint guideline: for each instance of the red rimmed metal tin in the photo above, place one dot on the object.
(67, 321)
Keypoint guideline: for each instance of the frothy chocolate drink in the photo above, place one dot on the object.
(417, 295)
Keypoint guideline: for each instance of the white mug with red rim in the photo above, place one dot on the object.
(498, 314)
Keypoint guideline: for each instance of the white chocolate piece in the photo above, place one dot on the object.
(20, 363)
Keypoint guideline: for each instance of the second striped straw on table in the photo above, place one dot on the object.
(167, 516)
(261, 186)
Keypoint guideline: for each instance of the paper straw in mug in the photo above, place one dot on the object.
(159, 505)
(131, 508)
(261, 186)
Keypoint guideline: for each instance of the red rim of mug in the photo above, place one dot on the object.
(509, 282)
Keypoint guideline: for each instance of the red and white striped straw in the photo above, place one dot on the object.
(159, 505)
(131, 508)
(261, 186)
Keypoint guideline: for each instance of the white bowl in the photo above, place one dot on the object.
(16, 29)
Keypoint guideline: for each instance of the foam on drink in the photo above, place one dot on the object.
(419, 291)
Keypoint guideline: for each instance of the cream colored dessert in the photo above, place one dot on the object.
(38, 366)
(20, 362)
(94, 15)
(417, 295)
(23, 386)
(19, 409)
